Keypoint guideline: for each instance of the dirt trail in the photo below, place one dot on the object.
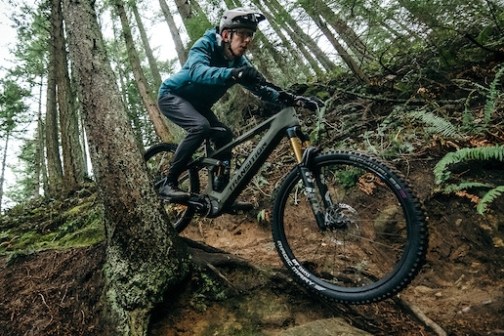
(460, 287)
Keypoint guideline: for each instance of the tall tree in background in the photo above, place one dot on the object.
(154, 69)
(282, 17)
(293, 55)
(322, 15)
(174, 31)
(194, 18)
(54, 167)
(11, 110)
(297, 32)
(127, 85)
(73, 158)
(143, 257)
(31, 53)
(144, 89)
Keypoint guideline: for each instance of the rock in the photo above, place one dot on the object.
(326, 327)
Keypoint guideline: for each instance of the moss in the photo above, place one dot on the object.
(207, 290)
(52, 226)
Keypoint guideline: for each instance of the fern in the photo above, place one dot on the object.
(436, 124)
(315, 135)
(441, 172)
(493, 97)
(453, 188)
(488, 198)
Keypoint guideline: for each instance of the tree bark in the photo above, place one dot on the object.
(54, 168)
(144, 256)
(73, 160)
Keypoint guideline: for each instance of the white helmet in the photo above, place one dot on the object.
(240, 18)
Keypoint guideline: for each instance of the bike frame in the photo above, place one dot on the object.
(284, 123)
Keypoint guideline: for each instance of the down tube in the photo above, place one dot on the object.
(284, 119)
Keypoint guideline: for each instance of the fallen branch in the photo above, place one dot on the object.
(415, 311)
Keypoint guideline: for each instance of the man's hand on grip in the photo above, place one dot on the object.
(247, 75)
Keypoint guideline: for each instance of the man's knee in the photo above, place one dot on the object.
(202, 129)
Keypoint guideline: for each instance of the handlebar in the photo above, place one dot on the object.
(290, 99)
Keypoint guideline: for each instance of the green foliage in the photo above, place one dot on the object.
(319, 129)
(443, 175)
(349, 178)
(488, 198)
(25, 172)
(441, 172)
(207, 289)
(391, 137)
(494, 96)
(464, 185)
(436, 124)
(12, 104)
(196, 26)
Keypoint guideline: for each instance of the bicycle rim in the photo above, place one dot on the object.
(158, 159)
(374, 238)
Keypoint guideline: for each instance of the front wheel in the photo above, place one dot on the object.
(158, 159)
(371, 237)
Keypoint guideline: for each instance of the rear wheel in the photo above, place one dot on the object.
(373, 239)
(158, 159)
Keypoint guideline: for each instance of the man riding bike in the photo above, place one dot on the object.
(215, 63)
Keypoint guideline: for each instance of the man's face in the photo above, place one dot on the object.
(239, 40)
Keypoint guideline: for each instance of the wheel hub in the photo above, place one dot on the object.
(340, 216)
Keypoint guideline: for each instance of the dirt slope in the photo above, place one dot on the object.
(460, 289)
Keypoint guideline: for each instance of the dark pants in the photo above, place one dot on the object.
(197, 123)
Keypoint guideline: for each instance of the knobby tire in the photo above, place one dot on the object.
(376, 237)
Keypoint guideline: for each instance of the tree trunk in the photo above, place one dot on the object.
(293, 53)
(195, 20)
(345, 56)
(145, 92)
(54, 169)
(2, 172)
(148, 50)
(291, 35)
(319, 9)
(175, 33)
(73, 160)
(144, 256)
(306, 41)
(40, 170)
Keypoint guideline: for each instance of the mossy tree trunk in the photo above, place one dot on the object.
(144, 256)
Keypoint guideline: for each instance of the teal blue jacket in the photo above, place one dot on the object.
(206, 75)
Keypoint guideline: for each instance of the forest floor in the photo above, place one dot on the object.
(459, 291)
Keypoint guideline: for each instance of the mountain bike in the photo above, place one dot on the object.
(346, 224)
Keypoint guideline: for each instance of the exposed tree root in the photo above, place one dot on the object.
(419, 314)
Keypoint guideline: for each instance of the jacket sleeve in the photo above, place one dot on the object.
(200, 70)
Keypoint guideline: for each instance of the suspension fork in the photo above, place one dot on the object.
(312, 180)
